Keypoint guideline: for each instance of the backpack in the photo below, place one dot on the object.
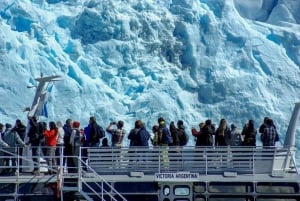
(236, 138)
(164, 137)
(75, 139)
(99, 133)
(183, 137)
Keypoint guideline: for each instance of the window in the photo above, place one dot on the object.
(182, 190)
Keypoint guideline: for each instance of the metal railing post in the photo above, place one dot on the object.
(79, 171)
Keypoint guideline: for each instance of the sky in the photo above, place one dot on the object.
(129, 59)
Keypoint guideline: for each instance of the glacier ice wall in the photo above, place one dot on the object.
(128, 59)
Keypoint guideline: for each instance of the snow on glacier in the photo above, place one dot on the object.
(128, 59)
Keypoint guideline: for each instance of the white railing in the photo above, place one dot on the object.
(203, 160)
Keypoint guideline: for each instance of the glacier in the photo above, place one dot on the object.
(142, 59)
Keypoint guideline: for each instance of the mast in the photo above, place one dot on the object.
(40, 95)
(290, 137)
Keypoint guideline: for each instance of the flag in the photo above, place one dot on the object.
(40, 108)
(44, 111)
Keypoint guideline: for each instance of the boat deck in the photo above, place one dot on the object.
(206, 172)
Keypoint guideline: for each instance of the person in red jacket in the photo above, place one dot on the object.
(200, 138)
(51, 140)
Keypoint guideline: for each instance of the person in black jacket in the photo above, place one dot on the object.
(34, 140)
(68, 147)
(223, 135)
(96, 132)
(249, 133)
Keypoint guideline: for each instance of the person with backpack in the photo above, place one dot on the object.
(179, 136)
(76, 143)
(96, 132)
(117, 134)
(164, 135)
(139, 137)
(269, 136)
(42, 126)
(164, 139)
(35, 142)
(133, 135)
(174, 134)
(134, 141)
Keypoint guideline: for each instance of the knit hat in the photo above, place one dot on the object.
(76, 124)
(161, 121)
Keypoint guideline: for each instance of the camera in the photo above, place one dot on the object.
(113, 123)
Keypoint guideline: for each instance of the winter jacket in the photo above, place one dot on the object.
(50, 137)
(12, 138)
(33, 133)
(144, 136)
(134, 137)
(60, 135)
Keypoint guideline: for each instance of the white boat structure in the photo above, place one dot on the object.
(165, 174)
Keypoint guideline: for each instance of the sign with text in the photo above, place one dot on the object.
(178, 176)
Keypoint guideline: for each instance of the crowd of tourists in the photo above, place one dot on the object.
(51, 139)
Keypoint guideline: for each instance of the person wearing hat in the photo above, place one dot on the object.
(164, 135)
